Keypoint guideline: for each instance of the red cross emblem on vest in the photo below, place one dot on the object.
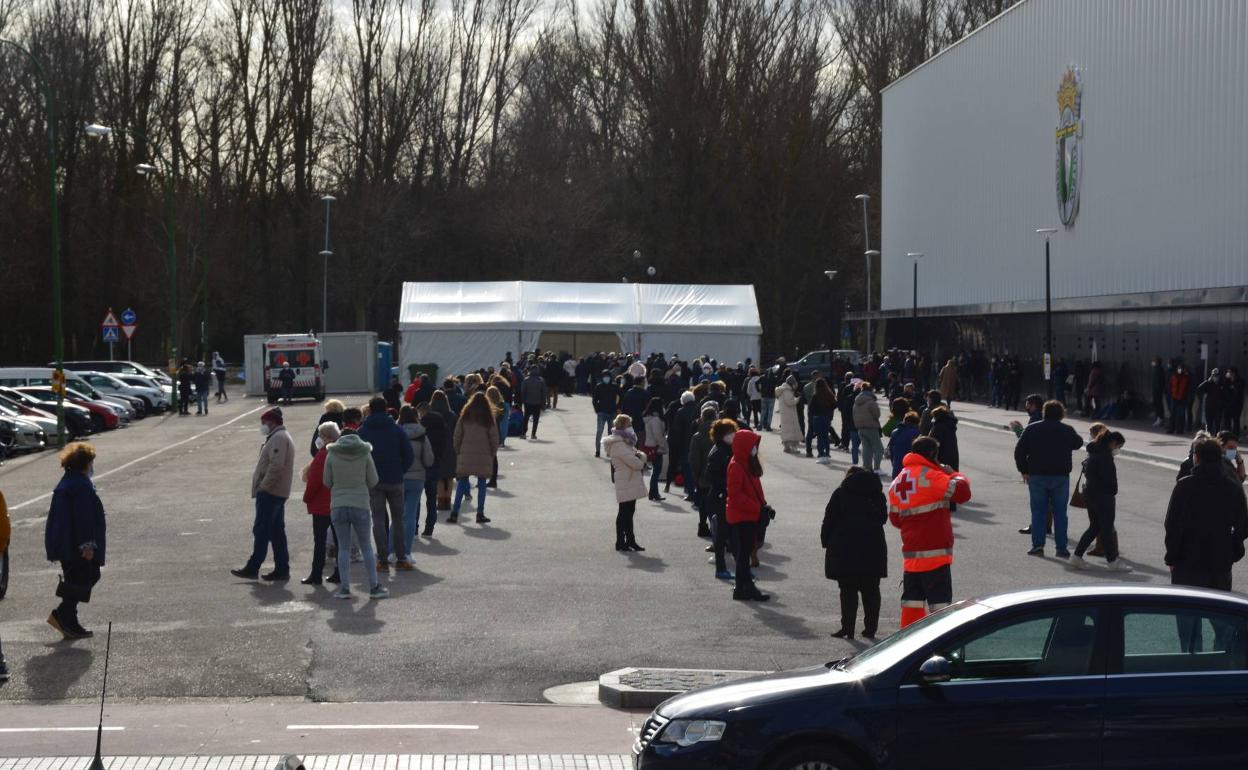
(903, 486)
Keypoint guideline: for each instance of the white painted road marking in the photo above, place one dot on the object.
(147, 456)
(58, 729)
(383, 727)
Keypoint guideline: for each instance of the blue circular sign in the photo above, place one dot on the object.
(128, 317)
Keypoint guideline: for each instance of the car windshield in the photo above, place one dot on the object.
(912, 638)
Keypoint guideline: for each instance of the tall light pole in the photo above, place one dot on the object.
(831, 274)
(914, 313)
(867, 252)
(1048, 232)
(146, 169)
(325, 255)
(58, 341)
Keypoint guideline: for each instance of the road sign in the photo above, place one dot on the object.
(112, 334)
(129, 318)
(110, 319)
(129, 329)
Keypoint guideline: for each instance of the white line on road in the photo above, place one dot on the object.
(58, 729)
(383, 727)
(147, 456)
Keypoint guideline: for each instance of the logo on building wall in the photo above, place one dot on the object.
(1069, 145)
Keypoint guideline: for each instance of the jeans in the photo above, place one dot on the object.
(502, 427)
(769, 408)
(654, 476)
(1101, 523)
(820, 425)
(202, 398)
(388, 531)
(604, 423)
(349, 523)
(852, 438)
(872, 448)
(461, 489)
(270, 527)
(1048, 492)
(413, 489)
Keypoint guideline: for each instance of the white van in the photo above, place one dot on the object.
(20, 377)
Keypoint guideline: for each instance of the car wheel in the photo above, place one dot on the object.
(815, 756)
(4, 574)
(97, 423)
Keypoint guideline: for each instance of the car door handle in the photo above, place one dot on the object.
(1076, 707)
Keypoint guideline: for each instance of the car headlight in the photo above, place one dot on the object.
(686, 732)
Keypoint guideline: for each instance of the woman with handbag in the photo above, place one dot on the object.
(655, 444)
(75, 536)
(746, 510)
(627, 467)
(1099, 494)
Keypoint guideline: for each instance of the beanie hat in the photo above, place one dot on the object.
(273, 415)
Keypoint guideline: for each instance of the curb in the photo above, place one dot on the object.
(646, 688)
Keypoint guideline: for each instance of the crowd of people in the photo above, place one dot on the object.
(698, 425)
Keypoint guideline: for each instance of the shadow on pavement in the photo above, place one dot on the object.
(486, 532)
(268, 594)
(433, 547)
(790, 625)
(645, 563)
(358, 616)
(50, 675)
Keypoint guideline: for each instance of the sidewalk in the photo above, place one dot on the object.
(1143, 442)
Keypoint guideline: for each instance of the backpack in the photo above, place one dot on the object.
(515, 423)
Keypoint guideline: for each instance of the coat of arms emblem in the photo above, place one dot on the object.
(1069, 145)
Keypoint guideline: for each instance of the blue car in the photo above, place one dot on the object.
(1071, 677)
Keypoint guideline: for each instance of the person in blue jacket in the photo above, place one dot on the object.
(75, 536)
(900, 440)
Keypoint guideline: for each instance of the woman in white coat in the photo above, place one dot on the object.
(627, 467)
(787, 396)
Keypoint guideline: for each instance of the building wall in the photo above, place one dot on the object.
(970, 155)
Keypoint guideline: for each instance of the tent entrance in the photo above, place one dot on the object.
(580, 344)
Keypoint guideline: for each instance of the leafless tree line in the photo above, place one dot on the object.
(464, 140)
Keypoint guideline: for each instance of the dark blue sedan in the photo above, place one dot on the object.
(1065, 677)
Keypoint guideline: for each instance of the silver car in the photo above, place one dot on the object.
(18, 435)
(45, 423)
(113, 385)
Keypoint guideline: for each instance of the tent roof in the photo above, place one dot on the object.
(550, 306)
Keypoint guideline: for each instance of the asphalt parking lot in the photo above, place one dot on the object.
(496, 613)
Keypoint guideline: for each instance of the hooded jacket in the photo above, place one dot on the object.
(1099, 472)
(350, 472)
(745, 490)
(475, 448)
(945, 430)
(866, 410)
(853, 529)
(627, 467)
(392, 452)
(918, 505)
(422, 451)
(1206, 521)
(899, 445)
(75, 519)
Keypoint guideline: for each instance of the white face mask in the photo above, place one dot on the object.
(91, 471)
(320, 443)
(606, 380)
(728, 439)
(754, 452)
(1231, 454)
(265, 429)
(1115, 452)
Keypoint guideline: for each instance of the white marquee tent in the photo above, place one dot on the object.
(465, 326)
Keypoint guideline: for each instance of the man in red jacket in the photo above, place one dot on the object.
(918, 505)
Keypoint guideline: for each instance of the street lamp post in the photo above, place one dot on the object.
(147, 169)
(914, 313)
(58, 342)
(1048, 232)
(867, 252)
(831, 274)
(325, 255)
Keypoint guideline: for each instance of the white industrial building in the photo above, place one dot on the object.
(1123, 124)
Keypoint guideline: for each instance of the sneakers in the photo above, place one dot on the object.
(404, 565)
(710, 560)
(482, 519)
(724, 574)
(1063, 554)
(383, 565)
(824, 460)
(379, 592)
(1118, 565)
(1077, 562)
(244, 574)
(1037, 551)
(342, 593)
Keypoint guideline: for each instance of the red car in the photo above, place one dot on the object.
(102, 418)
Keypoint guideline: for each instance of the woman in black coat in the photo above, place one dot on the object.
(945, 430)
(856, 556)
(75, 536)
(1099, 492)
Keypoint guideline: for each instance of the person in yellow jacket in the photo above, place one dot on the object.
(6, 529)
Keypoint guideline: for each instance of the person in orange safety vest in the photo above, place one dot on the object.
(918, 505)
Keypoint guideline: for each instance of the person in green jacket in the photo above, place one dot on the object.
(350, 474)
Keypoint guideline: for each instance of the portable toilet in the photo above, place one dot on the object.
(385, 358)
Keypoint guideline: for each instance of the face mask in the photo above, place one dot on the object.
(265, 429)
(1231, 454)
(606, 380)
(728, 439)
(754, 452)
(320, 443)
(91, 472)
(1115, 452)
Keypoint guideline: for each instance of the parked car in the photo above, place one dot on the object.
(153, 397)
(120, 367)
(1074, 677)
(46, 423)
(77, 418)
(103, 416)
(20, 436)
(821, 361)
(131, 408)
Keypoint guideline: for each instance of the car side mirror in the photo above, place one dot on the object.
(935, 670)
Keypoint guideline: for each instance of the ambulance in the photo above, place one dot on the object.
(304, 354)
